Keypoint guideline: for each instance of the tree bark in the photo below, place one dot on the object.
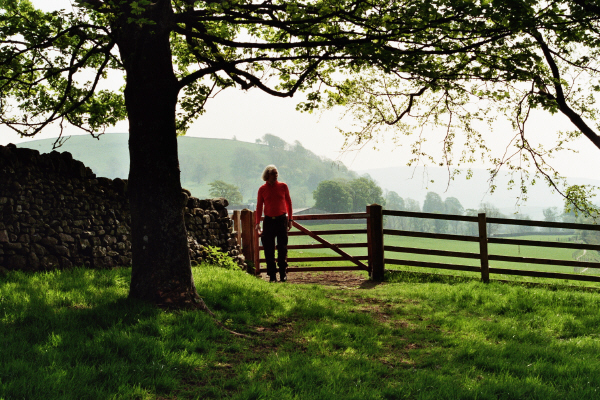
(161, 271)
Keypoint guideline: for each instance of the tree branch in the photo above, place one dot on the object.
(560, 97)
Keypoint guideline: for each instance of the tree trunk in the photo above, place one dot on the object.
(161, 270)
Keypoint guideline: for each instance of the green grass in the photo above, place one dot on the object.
(74, 334)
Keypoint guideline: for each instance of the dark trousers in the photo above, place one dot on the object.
(275, 228)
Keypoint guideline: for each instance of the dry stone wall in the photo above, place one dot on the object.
(55, 213)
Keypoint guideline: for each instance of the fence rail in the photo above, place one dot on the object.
(483, 255)
(379, 254)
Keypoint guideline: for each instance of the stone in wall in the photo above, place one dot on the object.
(55, 213)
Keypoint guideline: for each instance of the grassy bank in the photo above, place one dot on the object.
(74, 334)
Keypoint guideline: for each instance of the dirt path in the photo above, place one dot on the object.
(342, 279)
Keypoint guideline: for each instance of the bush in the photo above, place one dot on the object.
(217, 258)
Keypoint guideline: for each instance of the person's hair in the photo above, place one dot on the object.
(267, 172)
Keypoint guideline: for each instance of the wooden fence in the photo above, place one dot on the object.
(244, 222)
(483, 255)
(379, 254)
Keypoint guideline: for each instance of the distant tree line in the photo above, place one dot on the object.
(434, 203)
(342, 195)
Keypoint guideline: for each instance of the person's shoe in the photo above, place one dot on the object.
(283, 278)
(272, 278)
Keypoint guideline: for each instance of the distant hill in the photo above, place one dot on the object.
(241, 163)
(206, 160)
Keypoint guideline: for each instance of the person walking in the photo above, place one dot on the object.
(274, 197)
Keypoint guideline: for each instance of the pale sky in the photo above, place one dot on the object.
(249, 115)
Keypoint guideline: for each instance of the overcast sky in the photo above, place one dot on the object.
(249, 115)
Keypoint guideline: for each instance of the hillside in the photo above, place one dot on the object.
(205, 160)
(241, 163)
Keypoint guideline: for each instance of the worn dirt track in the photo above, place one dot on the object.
(342, 279)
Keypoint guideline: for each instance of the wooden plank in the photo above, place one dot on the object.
(413, 214)
(369, 246)
(426, 264)
(330, 245)
(483, 249)
(320, 269)
(563, 245)
(563, 225)
(319, 259)
(505, 221)
(330, 216)
(249, 247)
(431, 252)
(332, 232)
(545, 261)
(321, 246)
(237, 226)
(443, 236)
(255, 252)
(542, 274)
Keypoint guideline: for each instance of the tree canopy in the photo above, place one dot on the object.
(365, 191)
(231, 192)
(333, 196)
(347, 195)
(486, 60)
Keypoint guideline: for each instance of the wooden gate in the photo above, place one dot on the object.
(244, 223)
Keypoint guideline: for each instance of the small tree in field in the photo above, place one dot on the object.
(226, 190)
(333, 196)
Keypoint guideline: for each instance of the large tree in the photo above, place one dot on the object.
(176, 54)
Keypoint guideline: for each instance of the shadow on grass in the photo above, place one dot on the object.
(369, 284)
(74, 334)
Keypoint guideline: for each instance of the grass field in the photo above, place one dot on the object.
(75, 335)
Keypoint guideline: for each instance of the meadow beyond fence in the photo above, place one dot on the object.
(387, 248)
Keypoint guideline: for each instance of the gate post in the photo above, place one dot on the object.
(237, 226)
(255, 244)
(248, 234)
(483, 248)
(375, 241)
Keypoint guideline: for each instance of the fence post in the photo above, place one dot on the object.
(375, 241)
(483, 248)
(237, 226)
(255, 250)
(248, 236)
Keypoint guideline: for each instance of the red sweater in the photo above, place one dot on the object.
(275, 199)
